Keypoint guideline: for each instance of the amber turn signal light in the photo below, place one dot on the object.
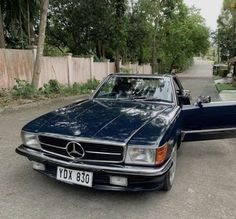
(161, 153)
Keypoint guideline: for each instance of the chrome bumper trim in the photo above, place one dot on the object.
(115, 169)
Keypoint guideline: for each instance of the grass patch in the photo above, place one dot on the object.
(221, 87)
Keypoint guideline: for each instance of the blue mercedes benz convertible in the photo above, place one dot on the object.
(126, 135)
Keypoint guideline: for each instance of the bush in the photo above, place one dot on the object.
(52, 87)
(77, 88)
(23, 89)
(91, 84)
(125, 70)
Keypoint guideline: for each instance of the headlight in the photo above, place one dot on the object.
(137, 155)
(146, 156)
(30, 140)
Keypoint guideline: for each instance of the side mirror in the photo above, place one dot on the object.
(187, 93)
(201, 100)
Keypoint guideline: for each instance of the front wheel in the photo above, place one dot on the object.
(169, 178)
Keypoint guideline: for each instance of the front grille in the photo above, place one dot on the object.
(93, 151)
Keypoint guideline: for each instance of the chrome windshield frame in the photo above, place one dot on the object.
(174, 101)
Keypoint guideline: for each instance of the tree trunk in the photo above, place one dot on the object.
(154, 48)
(99, 49)
(172, 66)
(154, 59)
(41, 39)
(2, 38)
(103, 51)
(28, 24)
(234, 71)
(117, 60)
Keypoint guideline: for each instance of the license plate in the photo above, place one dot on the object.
(82, 178)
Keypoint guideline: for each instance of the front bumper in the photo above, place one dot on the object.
(139, 178)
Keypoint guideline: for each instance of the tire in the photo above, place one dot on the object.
(169, 178)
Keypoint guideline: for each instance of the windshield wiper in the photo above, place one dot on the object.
(151, 99)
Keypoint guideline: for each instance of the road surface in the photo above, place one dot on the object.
(205, 185)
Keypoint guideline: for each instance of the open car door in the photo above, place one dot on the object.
(208, 121)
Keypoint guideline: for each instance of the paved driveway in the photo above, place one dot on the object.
(205, 186)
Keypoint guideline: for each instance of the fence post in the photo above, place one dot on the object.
(69, 69)
(91, 68)
(108, 66)
(34, 51)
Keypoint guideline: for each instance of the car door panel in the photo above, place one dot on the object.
(216, 120)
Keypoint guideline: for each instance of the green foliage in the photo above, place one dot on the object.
(5, 97)
(225, 38)
(221, 87)
(52, 87)
(20, 22)
(23, 89)
(78, 88)
(164, 32)
(167, 31)
(91, 84)
(52, 50)
(124, 70)
(223, 72)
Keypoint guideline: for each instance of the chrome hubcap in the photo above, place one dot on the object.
(173, 168)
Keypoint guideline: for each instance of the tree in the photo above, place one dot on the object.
(226, 32)
(41, 39)
(89, 27)
(164, 32)
(185, 36)
(82, 26)
(176, 33)
(2, 38)
(139, 36)
(19, 20)
(152, 9)
(119, 33)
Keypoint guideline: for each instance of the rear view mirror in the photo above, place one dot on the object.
(201, 100)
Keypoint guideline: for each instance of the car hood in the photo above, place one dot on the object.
(106, 120)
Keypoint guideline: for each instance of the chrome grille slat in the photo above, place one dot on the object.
(94, 151)
(54, 146)
(56, 154)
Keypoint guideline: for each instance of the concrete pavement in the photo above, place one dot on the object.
(198, 79)
(205, 185)
(228, 95)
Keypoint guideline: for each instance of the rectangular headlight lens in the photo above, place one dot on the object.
(136, 155)
(30, 140)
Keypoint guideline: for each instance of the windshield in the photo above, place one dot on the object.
(143, 88)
